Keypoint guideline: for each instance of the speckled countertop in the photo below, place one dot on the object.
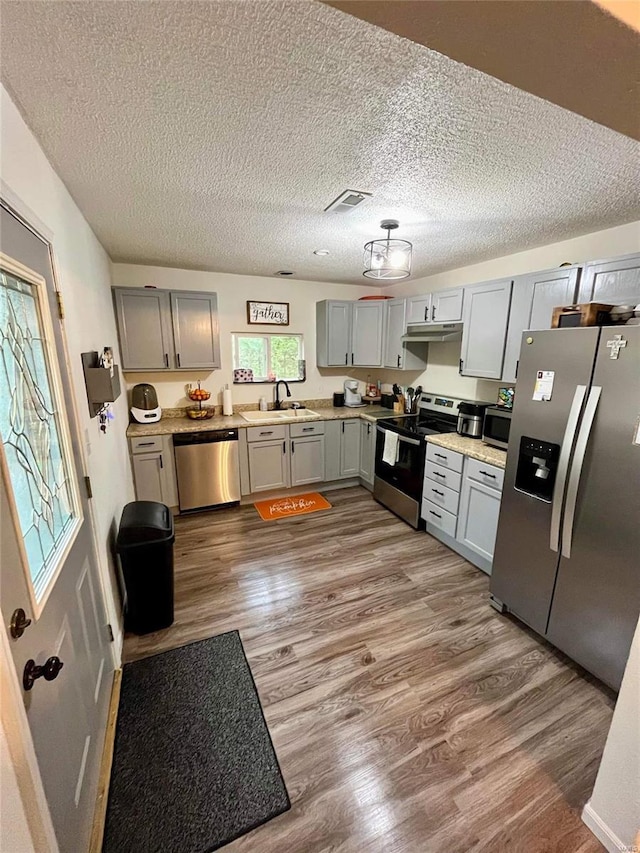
(473, 447)
(171, 425)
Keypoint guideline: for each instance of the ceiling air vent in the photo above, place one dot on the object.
(346, 201)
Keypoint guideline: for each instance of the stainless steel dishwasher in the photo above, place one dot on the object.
(208, 468)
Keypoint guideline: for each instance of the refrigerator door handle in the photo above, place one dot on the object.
(563, 465)
(576, 467)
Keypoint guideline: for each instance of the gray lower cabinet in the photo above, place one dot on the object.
(462, 509)
(154, 472)
(479, 511)
(485, 318)
(533, 299)
(342, 449)
(367, 451)
(616, 282)
(268, 465)
(350, 448)
(307, 460)
(167, 330)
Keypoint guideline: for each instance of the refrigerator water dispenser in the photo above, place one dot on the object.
(537, 466)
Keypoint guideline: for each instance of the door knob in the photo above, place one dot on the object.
(19, 623)
(49, 671)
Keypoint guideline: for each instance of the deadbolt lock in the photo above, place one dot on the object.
(19, 623)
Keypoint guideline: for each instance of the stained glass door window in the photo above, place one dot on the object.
(32, 432)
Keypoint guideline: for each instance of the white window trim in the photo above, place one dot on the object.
(64, 547)
(267, 336)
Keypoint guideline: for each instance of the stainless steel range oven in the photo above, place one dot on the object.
(400, 454)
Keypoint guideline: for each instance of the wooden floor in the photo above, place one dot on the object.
(408, 716)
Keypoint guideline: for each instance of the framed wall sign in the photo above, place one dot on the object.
(268, 313)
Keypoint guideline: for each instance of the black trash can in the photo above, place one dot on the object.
(145, 545)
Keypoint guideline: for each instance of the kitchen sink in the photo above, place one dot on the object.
(280, 415)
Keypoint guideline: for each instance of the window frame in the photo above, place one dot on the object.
(236, 336)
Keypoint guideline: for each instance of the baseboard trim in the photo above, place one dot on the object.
(602, 832)
(102, 796)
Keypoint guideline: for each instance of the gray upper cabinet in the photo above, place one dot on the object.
(419, 309)
(144, 326)
(616, 282)
(195, 329)
(367, 333)
(167, 330)
(485, 317)
(333, 333)
(446, 305)
(393, 350)
(398, 353)
(533, 299)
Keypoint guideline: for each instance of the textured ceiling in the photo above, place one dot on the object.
(212, 135)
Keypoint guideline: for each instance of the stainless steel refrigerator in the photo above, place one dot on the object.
(567, 555)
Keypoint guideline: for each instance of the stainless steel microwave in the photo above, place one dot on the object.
(497, 421)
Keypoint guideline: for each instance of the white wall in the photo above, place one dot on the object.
(613, 812)
(233, 292)
(442, 374)
(14, 827)
(85, 281)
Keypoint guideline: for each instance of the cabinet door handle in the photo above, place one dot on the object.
(461, 366)
(440, 455)
(436, 474)
(146, 444)
(433, 313)
(267, 432)
(368, 429)
(346, 358)
(436, 492)
(342, 426)
(161, 462)
(293, 447)
(166, 359)
(308, 429)
(284, 446)
(351, 358)
(517, 366)
(426, 314)
(431, 512)
(486, 474)
(178, 358)
(399, 359)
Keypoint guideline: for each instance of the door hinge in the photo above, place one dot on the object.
(110, 633)
(60, 304)
(87, 485)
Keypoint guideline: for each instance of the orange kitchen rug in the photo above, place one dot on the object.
(294, 505)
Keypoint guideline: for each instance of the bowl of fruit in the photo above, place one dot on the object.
(201, 413)
(199, 395)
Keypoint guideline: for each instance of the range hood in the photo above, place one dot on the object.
(430, 333)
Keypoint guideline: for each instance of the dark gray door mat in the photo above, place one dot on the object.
(194, 766)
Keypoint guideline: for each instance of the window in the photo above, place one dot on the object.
(266, 358)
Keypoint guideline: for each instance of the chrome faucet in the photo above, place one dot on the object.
(278, 403)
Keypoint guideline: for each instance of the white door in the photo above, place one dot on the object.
(47, 562)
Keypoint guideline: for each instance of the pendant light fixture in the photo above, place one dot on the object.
(387, 258)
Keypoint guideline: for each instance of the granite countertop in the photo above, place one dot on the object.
(171, 425)
(473, 447)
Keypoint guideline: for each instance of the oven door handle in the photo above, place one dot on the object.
(400, 437)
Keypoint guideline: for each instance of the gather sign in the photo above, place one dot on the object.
(268, 313)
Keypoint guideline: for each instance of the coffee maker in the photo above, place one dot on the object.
(352, 397)
(144, 404)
